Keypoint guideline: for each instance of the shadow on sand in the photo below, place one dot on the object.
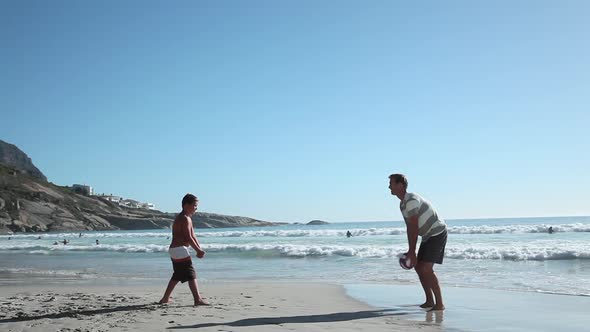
(334, 317)
(75, 313)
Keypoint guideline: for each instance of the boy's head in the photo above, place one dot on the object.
(189, 204)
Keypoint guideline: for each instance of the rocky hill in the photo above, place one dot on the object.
(12, 156)
(28, 203)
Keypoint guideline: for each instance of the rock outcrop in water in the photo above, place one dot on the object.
(317, 222)
(28, 203)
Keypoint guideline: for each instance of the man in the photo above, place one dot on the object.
(421, 219)
(183, 236)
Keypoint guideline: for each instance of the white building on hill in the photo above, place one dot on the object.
(111, 198)
(128, 203)
(83, 189)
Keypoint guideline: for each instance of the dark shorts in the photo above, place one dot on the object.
(183, 271)
(433, 250)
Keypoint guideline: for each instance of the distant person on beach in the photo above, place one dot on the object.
(421, 219)
(550, 229)
(183, 236)
(80, 235)
(348, 234)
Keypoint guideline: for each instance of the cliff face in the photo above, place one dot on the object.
(12, 156)
(28, 203)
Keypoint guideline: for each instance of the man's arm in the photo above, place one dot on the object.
(412, 230)
(412, 225)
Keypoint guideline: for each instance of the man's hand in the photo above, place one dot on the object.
(200, 253)
(413, 259)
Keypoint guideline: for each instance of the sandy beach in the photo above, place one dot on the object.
(235, 306)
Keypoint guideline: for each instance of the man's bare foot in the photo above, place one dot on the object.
(427, 305)
(164, 301)
(201, 302)
(438, 308)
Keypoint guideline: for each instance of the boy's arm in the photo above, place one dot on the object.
(187, 233)
(193, 239)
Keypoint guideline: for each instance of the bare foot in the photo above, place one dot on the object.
(438, 308)
(164, 301)
(427, 305)
(201, 302)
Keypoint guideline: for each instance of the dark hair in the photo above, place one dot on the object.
(189, 199)
(399, 178)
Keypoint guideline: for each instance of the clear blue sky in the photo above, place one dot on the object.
(292, 111)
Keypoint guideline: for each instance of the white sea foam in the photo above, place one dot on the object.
(458, 252)
(62, 273)
(522, 252)
(129, 248)
(39, 252)
(532, 251)
(476, 229)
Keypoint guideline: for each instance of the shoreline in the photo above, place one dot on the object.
(481, 309)
(238, 305)
(266, 304)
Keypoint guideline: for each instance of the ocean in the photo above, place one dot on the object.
(504, 254)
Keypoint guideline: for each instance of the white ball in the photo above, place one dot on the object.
(405, 262)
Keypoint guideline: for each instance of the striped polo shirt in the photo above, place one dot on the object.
(429, 223)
